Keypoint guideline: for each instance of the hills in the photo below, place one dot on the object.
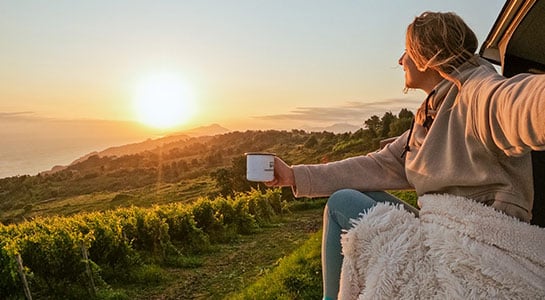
(179, 168)
(32, 144)
(148, 144)
(202, 131)
(335, 128)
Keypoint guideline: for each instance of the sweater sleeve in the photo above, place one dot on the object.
(510, 113)
(379, 170)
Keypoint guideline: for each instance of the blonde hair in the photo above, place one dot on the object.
(440, 41)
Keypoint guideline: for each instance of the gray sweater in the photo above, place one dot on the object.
(478, 146)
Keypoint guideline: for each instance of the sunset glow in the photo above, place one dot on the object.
(163, 101)
(80, 76)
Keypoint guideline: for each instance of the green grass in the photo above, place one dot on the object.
(297, 276)
(408, 196)
(185, 191)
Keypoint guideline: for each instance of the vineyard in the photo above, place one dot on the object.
(78, 257)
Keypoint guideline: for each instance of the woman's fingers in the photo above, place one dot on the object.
(283, 174)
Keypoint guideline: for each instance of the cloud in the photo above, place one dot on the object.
(33, 117)
(350, 111)
(16, 115)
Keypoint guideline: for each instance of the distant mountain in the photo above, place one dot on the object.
(149, 144)
(213, 129)
(335, 128)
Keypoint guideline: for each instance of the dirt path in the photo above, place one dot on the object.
(236, 265)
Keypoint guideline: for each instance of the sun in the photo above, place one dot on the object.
(163, 101)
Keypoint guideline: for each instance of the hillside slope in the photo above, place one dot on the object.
(179, 168)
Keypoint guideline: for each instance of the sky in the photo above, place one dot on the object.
(79, 68)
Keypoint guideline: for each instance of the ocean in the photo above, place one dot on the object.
(31, 145)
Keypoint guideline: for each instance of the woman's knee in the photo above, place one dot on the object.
(340, 198)
(349, 202)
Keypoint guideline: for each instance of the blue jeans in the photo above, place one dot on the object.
(342, 206)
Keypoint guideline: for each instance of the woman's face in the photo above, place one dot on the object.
(414, 79)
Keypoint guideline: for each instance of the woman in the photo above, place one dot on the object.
(471, 137)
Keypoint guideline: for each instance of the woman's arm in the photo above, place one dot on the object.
(376, 171)
(510, 113)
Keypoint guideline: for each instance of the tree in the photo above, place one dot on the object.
(405, 113)
(374, 125)
(238, 173)
(386, 120)
(232, 179)
(311, 142)
(222, 176)
(403, 123)
(399, 126)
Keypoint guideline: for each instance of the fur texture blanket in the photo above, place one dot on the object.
(457, 249)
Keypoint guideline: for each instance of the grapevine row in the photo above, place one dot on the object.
(114, 242)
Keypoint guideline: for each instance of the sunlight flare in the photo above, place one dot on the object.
(164, 101)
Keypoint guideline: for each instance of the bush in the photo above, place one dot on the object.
(52, 254)
(204, 213)
(10, 284)
(109, 247)
(183, 229)
(264, 206)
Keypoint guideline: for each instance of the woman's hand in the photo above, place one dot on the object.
(283, 174)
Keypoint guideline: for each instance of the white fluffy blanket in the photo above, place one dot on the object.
(457, 249)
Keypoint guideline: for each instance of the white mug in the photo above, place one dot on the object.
(259, 166)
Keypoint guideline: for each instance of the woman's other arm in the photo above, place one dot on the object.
(510, 113)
